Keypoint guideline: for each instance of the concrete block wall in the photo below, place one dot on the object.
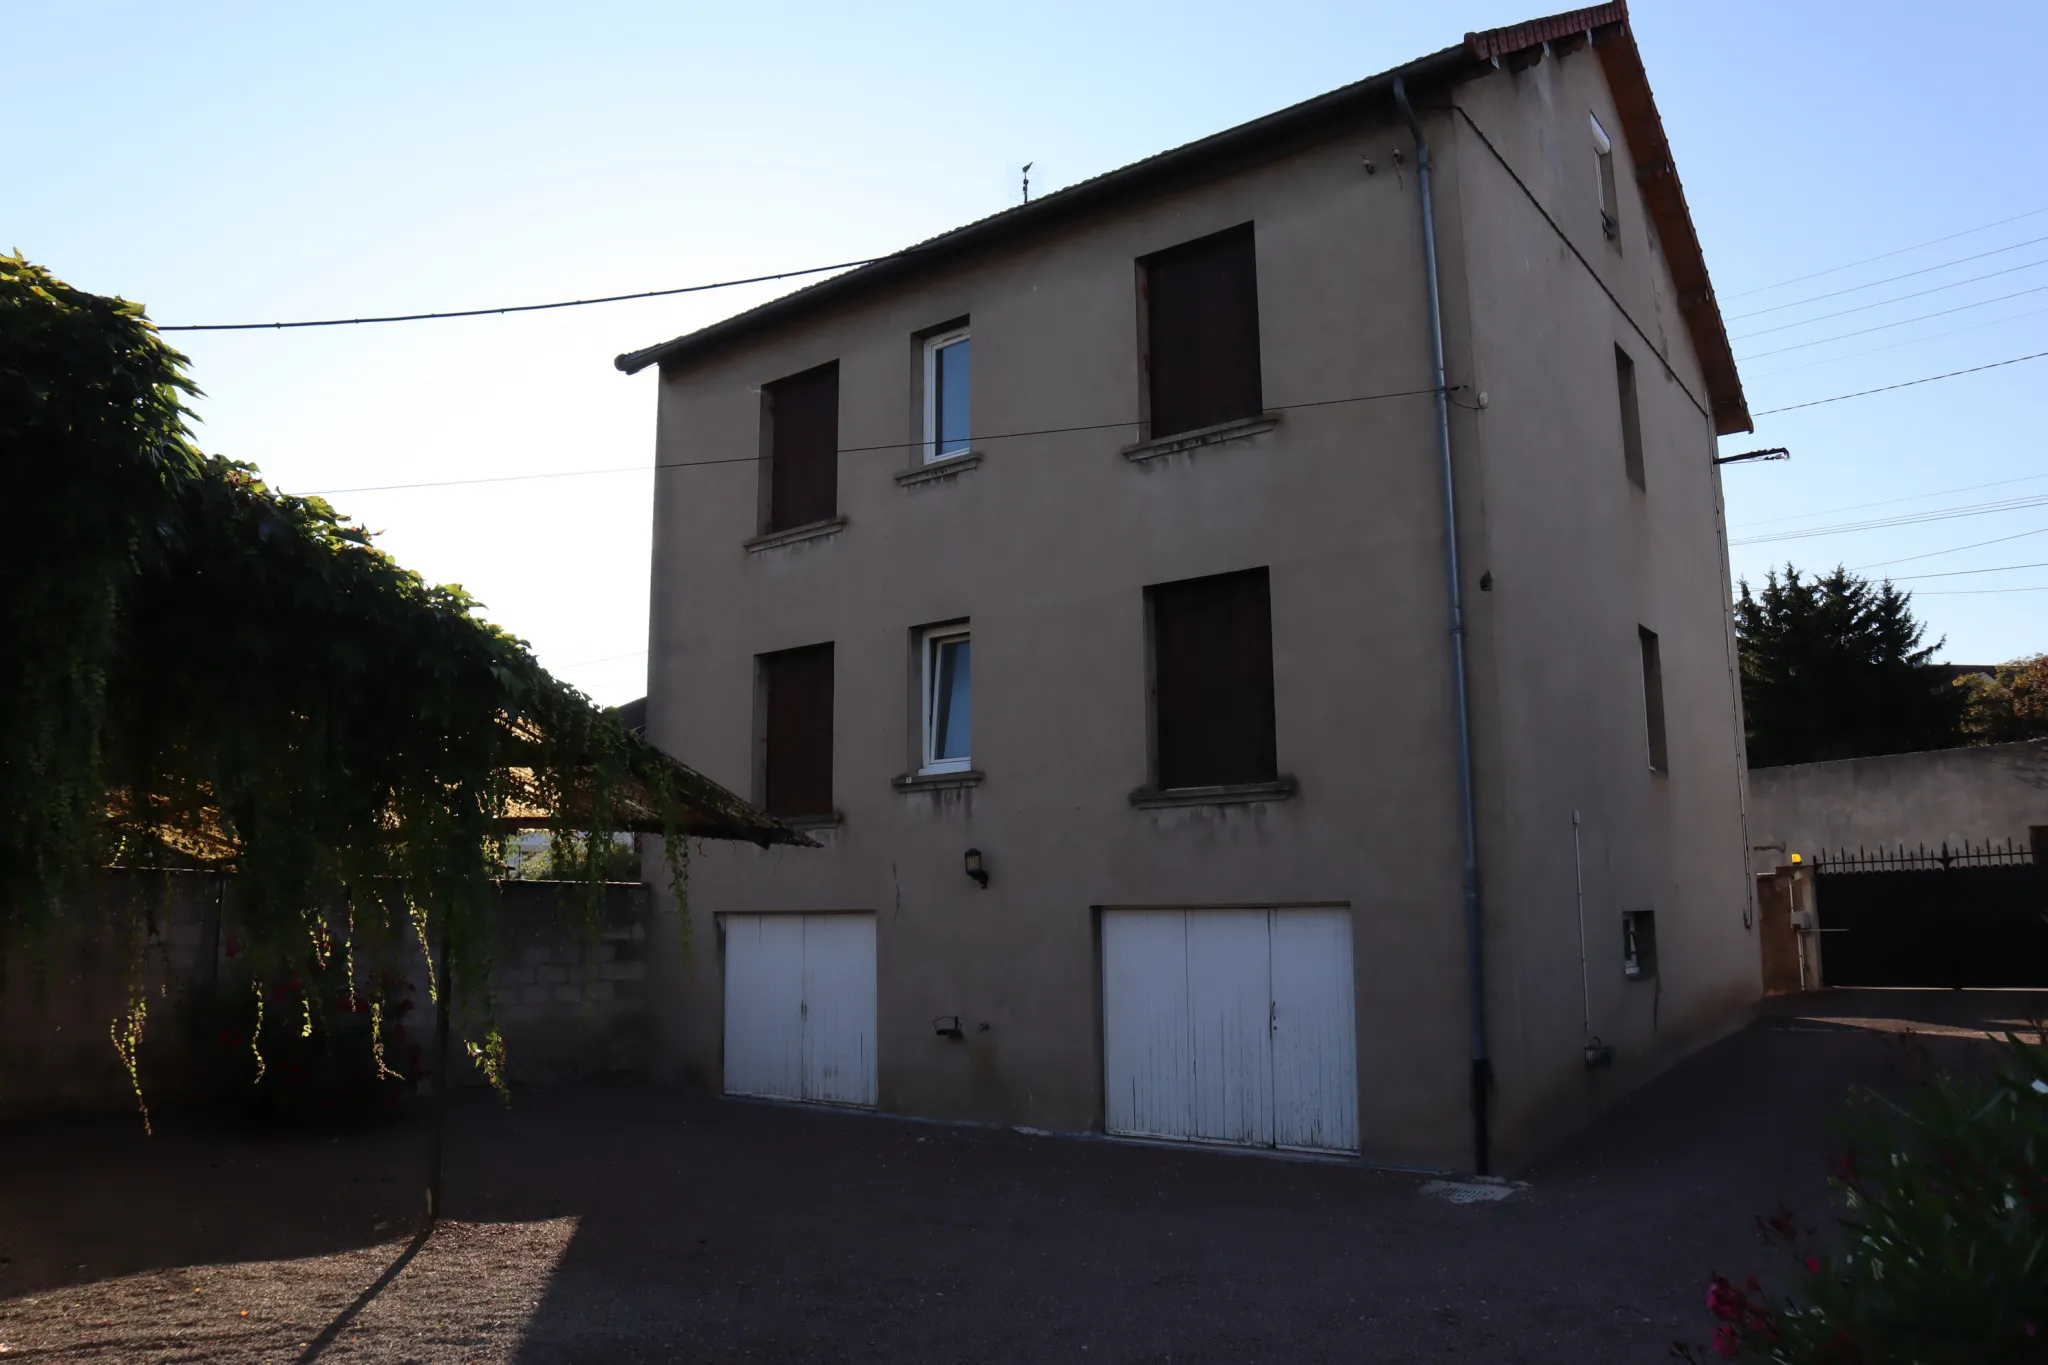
(571, 996)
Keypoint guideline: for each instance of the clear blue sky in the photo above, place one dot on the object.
(256, 162)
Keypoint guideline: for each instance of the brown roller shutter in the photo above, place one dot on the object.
(803, 472)
(1202, 332)
(797, 731)
(1212, 668)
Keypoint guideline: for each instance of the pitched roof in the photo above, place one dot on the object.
(1606, 26)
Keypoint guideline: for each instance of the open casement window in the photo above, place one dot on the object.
(946, 661)
(1610, 199)
(948, 406)
(1653, 699)
(1202, 332)
(802, 413)
(796, 731)
(1212, 681)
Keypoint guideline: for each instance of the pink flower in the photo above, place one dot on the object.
(1725, 1344)
(1813, 1265)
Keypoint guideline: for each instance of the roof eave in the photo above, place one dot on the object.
(1664, 196)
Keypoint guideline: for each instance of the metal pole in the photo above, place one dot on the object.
(437, 1122)
(1482, 1060)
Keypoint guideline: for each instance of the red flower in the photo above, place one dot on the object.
(1813, 1265)
(1726, 1345)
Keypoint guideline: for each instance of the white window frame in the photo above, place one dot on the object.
(1604, 178)
(928, 668)
(932, 347)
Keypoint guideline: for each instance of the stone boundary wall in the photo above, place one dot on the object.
(562, 1016)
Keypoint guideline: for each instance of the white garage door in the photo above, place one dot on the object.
(1230, 1026)
(800, 1007)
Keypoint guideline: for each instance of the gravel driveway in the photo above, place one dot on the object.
(641, 1223)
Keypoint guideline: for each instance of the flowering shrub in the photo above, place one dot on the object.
(1944, 1258)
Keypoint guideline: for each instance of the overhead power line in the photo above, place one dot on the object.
(1973, 592)
(1889, 502)
(977, 439)
(1887, 255)
(1895, 345)
(514, 307)
(1886, 303)
(1958, 573)
(1902, 322)
(1055, 431)
(1903, 384)
(1954, 549)
(1908, 519)
(1889, 279)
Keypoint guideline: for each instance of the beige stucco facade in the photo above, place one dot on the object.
(1047, 543)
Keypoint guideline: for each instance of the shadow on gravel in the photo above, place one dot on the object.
(694, 1228)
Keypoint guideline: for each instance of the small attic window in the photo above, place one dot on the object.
(1610, 203)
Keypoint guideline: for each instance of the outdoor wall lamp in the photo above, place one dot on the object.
(948, 1026)
(975, 869)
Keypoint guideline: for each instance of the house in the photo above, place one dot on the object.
(1079, 579)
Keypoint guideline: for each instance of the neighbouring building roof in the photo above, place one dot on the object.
(1605, 26)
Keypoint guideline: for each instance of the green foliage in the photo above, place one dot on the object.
(2009, 705)
(195, 667)
(95, 448)
(1833, 667)
(1944, 1258)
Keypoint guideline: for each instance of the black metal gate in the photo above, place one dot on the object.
(1921, 918)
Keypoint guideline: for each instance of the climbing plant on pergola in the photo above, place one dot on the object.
(195, 668)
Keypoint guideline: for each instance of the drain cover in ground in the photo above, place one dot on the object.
(1468, 1191)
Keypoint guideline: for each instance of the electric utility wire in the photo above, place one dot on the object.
(1887, 255)
(1886, 303)
(518, 307)
(870, 260)
(1887, 502)
(1889, 279)
(973, 440)
(1974, 592)
(1902, 322)
(1052, 431)
(1895, 345)
(1903, 384)
(1908, 519)
(1573, 247)
(1958, 573)
(1953, 549)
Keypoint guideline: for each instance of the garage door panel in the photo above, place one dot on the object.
(1315, 1031)
(839, 1063)
(1233, 1026)
(764, 1006)
(1145, 1052)
(1229, 1004)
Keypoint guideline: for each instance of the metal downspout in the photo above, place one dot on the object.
(1482, 1060)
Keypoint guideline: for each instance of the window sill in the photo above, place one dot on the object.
(940, 469)
(1233, 794)
(1183, 441)
(831, 819)
(796, 534)
(936, 782)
